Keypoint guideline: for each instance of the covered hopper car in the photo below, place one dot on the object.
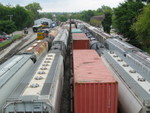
(40, 89)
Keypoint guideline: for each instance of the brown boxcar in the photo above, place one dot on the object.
(80, 41)
(95, 89)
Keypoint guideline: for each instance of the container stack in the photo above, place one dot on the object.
(95, 89)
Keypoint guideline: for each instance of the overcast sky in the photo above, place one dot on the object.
(66, 5)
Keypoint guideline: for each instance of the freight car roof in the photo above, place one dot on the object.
(76, 31)
(123, 45)
(11, 66)
(79, 36)
(138, 84)
(63, 37)
(31, 47)
(142, 57)
(34, 84)
(89, 68)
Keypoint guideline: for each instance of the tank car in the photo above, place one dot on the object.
(54, 32)
(60, 42)
(40, 90)
(101, 35)
(62, 37)
(11, 73)
(60, 49)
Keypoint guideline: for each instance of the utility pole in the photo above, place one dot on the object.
(10, 17)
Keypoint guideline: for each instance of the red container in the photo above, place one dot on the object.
(80, 41)
(95, 89)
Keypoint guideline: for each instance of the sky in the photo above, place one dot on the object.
(66, 5)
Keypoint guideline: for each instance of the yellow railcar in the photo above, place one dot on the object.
(40, 35)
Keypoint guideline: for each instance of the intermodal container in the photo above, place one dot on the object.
(80, 41)
(95, 89)
(76, 31)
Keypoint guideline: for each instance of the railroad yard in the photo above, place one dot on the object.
(73, 68)
(18, 44)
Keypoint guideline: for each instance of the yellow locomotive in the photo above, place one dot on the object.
(42, 34)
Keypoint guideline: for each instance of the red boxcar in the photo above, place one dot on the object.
(95, 89)
(80, 41)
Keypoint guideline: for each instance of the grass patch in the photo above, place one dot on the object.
(7, 42)
(17, 36)
(147, 50)
(2, 44)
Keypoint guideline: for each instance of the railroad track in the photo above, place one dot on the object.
(15, 50)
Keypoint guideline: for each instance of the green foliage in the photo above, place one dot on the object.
(46, 15)
(7, 26)
(125, 16)
(147, 1)
(95, 22)
(4, 43)
(106, 23)
(147, 50)
(86, 15)
(76, 16)
(62, 17)
(105, 9)
(7, 42)
(142, 27)
(17, 36)
(20, 16)
(4, 12)
(30, 18)
(34, 7)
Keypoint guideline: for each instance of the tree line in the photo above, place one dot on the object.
(130, 19)
(18, 17)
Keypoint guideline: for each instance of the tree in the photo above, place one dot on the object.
(7, 26)
(147, 1)
(125, 16)
(30, 19)
(86, 15)
(34, 7)
(20, 16)
(95, 22)
(106, 23)
(62, 17)
(46, 15)
(142, 27)
(76, 16)
(4, 12)
(106, 9)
